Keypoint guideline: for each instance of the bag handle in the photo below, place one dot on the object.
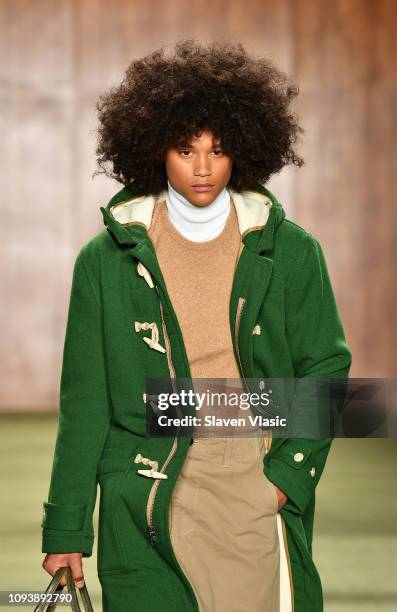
(54, 587)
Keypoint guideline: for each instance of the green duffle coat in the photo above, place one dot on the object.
(281, 283)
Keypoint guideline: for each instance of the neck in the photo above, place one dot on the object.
(198, 223)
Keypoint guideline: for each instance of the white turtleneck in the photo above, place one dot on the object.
(198, 223)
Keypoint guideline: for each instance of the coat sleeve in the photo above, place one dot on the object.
(318, 350)
(83, 421)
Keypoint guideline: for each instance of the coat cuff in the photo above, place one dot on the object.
(293, 471)
(63, 529)
(62, 542)
(64, 517)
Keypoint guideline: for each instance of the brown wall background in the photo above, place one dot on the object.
(57, 57)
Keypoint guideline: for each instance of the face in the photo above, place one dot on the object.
(202, 162)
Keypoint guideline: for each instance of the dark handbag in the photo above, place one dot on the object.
(54, 587)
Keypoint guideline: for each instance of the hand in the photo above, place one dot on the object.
(54, 561)
(282, 498)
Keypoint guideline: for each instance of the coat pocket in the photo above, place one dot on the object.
(111, 555)
(270, 493)
(112, 470)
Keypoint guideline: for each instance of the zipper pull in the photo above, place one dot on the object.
(153, 474)
(152, 534)
(143, 271)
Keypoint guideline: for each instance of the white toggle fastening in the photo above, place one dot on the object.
(298, 457)
(153, 472)
(142, 271)
(313, 471)
(153, 341)
(262, 385)
(257, 330)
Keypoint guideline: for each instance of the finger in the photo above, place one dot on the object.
(52, 569)
(44, 564)
(77, 572)
(63, 580)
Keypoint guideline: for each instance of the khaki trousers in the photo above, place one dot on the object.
(223, 525)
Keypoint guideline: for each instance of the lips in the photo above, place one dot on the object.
(202, 187)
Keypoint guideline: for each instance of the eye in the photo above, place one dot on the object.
(218, 152)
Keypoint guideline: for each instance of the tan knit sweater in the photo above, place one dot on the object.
(199, 277)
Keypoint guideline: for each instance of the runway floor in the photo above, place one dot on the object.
(355, 541)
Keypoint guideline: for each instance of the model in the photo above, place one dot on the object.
(197, 274)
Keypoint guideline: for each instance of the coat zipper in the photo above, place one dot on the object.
(241, 303)
(154, 488)
(240, 307)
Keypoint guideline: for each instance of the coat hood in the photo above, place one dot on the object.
(128, 216)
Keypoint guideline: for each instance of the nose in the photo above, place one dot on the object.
(202, 166)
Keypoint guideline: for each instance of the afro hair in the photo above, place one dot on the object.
(166, 99)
